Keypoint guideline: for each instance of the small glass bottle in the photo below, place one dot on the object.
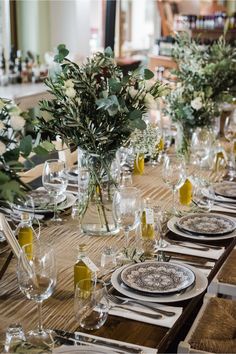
(185, 193)
(24, 232)
(84, 268)
(148, 228)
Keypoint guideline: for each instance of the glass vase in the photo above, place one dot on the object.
(104, 174)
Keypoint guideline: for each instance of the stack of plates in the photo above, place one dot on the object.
(44, 203)
(204, 226)
(159, 281)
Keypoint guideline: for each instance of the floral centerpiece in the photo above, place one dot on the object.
(96, 108)
(15, 146)
(205, 77)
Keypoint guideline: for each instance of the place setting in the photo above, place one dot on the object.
(225, 197)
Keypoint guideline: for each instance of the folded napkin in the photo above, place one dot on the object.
(100, 349)
(90, 349)
(202, 269)
(223, 210)
(165, 321)
(212, 253)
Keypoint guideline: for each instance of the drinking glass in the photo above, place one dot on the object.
(91, 305)
(127, 209)
(201, 146)
(23, 205)
(230, 129)
(55, 181)
(203, 195)
(173, 174)
(37, 275)
(14, 337)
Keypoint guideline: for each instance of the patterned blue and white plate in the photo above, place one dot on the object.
(157, 277)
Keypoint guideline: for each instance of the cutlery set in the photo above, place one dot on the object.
(69, 338)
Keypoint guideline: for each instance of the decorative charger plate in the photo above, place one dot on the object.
(207, 224)
(157, 277)
(171, 224)
(43, 200)
(198, 287)
(226, 189)
(67, 202)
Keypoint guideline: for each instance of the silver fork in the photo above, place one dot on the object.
(119, 301)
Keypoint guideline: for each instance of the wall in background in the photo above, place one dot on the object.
(33, 26)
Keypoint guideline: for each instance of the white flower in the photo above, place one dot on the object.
(132, 92)
(2, 125)
(17, 122)
(2, 148)
(46, 116)
(70, 92)
(2, 104)
(150, 102)
(69, 83)
(196, 103)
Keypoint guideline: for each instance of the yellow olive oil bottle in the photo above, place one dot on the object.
(185, 192)
(84, 268)
(25, 233)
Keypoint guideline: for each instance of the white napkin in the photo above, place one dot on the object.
(146, 350)
(212, 253)
(204, 270)
(93, 348)
(165, 321)
(223, 210)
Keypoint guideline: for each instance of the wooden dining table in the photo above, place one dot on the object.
(58, 312)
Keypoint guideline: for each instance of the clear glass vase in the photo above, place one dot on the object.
(104, 174)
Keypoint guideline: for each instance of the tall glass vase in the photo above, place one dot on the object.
(103, 178)
(183, 141)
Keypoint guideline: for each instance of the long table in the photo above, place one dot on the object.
(58, 309)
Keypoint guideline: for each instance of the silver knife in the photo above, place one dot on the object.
(86, 339)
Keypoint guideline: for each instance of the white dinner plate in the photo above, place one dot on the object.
(83, 349)
(172, 227)
(200, 285)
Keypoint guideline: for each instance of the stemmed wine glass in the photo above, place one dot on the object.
(127, 209)
(230, 129)
(55, 181)
(201, 145)
(37, 275)
(173, 174)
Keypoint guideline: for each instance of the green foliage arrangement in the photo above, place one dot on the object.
(14, 147)
(206, 77)
(95, 107)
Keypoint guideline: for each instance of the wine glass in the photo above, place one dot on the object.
(126, 210)
(201, 145)
(173, 174)
(55, 181)
(230, 129)
(37, 275)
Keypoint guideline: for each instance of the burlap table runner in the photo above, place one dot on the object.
(228, 271)
(215, 332)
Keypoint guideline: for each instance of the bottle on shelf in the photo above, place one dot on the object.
(84, 268)
(25, 232)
